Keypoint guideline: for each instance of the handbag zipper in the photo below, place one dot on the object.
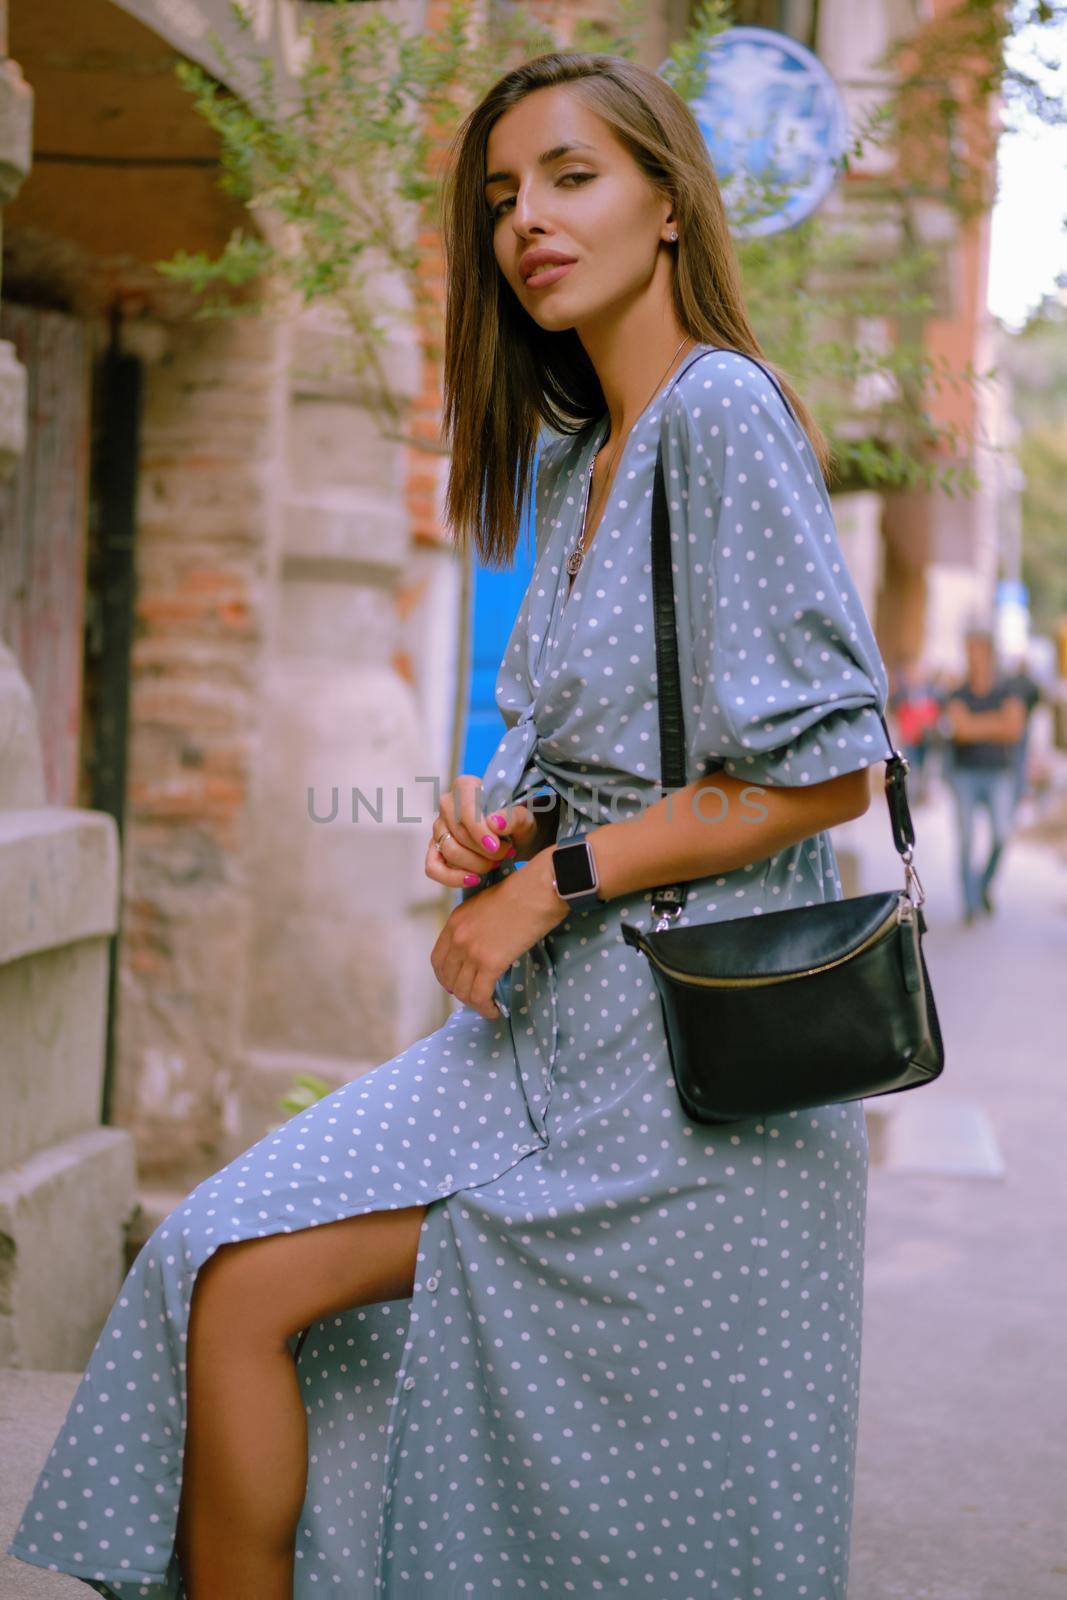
(902, 912)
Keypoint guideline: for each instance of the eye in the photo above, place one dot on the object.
(579, 177)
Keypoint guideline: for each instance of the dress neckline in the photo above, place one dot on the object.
(599, 430)
(586, 459)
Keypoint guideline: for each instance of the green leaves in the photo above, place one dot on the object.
(306, 1089)
(684, 69)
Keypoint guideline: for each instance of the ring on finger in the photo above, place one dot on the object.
(439, 842)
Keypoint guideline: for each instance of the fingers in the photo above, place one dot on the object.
(480, 832)
(466, 974)
(453, 864)
(466, 843)
(461, 812)
(473, 988)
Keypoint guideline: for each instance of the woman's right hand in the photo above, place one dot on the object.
(467, 855)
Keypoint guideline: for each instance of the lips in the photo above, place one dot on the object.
(543, 277)
(539, 261)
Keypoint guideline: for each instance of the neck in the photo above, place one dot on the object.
(632, 371)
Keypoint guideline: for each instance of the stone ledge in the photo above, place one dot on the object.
(54, 1010)
(59, 877)
(322, 364)
(344, 533)
(63, 1219)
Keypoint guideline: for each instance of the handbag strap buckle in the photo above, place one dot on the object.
(912, 882)
(667, 904)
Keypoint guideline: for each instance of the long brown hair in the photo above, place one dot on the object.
(503, 375)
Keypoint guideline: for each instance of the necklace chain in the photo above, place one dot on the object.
(577, 555)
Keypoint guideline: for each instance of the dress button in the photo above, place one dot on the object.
(431, 1283)
(409, 1383)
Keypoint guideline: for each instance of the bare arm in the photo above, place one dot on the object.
(1005, 725)
(692, 834)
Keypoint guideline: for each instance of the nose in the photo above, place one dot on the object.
(525, 211)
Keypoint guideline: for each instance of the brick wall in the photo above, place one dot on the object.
(210, 460)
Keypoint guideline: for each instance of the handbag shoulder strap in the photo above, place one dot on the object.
(668, 675)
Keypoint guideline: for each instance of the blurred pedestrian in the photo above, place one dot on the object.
(1029, 692)
(986, 718)
(916, 711)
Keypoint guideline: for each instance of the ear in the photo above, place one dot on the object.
(669, 224)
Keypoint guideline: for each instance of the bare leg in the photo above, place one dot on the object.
(245, 1465)
(245, 1470)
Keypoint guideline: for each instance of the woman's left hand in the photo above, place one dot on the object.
(491, 929)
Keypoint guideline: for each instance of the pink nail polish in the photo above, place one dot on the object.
(497, 820)
(489, 842)
(470, 877)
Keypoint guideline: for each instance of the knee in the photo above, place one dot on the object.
(186, 1243)
(237, 1296)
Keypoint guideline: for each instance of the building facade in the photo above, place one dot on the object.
(226, 587)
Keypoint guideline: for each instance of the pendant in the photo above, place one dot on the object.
(574, 561)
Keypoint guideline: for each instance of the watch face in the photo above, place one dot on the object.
(573, 873)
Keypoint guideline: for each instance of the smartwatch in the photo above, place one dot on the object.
(574, 874)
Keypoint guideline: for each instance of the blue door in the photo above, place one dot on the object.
(496, 600)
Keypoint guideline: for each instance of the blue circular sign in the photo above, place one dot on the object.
(775, 126)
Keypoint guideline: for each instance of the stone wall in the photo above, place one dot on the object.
(66, 1184)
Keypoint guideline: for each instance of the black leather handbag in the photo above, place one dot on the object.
(772, 1013)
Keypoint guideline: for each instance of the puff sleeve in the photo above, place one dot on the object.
(783, 682)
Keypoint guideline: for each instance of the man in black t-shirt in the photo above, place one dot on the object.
(986, 718)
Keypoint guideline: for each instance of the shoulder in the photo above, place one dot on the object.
(556, 458)
(727, 425)
(1024, 688)
(556, 451)
(722, 389)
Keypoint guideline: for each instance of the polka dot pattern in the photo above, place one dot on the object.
(630, 1362)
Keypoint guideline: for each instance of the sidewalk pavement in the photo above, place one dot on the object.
(32, 1407)
(962, 1467)
(961, 1487)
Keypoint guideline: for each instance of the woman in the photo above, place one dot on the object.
(560, 1339)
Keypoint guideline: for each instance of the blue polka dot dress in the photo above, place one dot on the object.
(630, 1361)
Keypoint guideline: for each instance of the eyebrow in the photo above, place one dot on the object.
(544, 159)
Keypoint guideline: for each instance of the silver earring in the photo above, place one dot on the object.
(674, 235)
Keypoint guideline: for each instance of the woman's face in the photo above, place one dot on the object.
(588, 202)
